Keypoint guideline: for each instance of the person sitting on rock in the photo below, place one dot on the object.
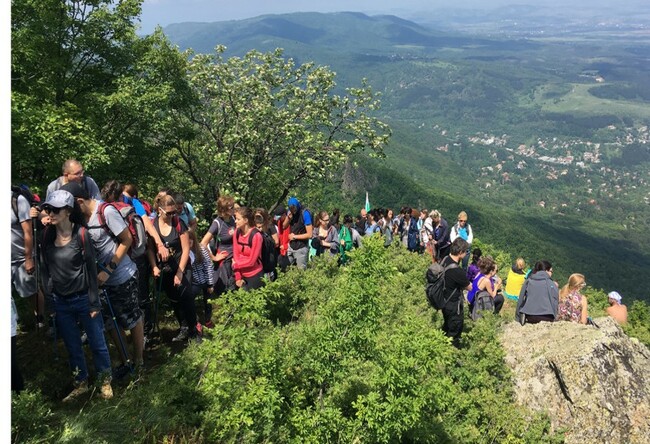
(616, 310)
(573, 305)
(538, 299)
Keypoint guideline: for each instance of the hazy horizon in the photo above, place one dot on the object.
(166, 12)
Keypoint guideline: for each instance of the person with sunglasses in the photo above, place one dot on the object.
(463, 230)
(175, 273)
(69, 275)
(325, 238)
(573, 305)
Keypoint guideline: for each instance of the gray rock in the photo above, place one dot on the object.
(594, 383)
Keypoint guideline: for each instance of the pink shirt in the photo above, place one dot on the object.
(247, 254)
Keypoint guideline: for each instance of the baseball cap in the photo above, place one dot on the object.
(59, 199)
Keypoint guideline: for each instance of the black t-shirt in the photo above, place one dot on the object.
(455, 279)
(173, 241)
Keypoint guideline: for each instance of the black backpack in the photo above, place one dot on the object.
(20, 191)
(482, 302)
(436, 285)
(268, 256)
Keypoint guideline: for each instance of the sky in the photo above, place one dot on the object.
(165, 12)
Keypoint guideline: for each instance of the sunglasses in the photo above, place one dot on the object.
(52, 210)
(169, 213)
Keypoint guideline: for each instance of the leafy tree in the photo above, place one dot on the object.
(264, 126)
(85, 85)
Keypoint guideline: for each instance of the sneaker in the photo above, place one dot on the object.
(196, 339)
(84, 338)
(121, 371)
(209, 324)
(181, 336)
(79, 389)
(106, 391)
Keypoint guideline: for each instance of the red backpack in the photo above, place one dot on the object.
(132, 220)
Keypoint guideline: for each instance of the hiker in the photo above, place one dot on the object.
(441, 235)
(362, 221)
(73, 171)
(616, 310)
(17, 381)
(23, 265)
(572, 304)
(424, 235)
(247, 251)
(118, 274)
(487, 280)
(185, 211)
(325, 237)
(300, 224)
(538, 299)
(220, 235)
(144, 210)
(386, 226)
(473, 270)
(409, 231)
(175, 274)
(455, 282)
(69, 274)
(462, 229)
(371, 223)
(202, 278)
(279, 216)
(265, 226)
(515, 279)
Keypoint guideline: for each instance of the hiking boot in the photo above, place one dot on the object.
(106, 390)
(181, 336)
(121, 371)
(209, 324)
(79, 389)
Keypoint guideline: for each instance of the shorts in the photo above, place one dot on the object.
(25, 283)
(125, 303)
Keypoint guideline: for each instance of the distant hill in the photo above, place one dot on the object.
(462, 107)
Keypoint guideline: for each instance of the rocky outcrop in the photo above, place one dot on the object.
(594, 383)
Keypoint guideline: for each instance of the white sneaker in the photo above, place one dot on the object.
(181, 336)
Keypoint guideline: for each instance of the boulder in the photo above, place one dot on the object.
(593, 382)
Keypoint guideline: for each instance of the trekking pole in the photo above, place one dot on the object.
(115, 325)
(37, 273)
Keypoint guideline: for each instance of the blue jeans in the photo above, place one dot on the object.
(75, 309)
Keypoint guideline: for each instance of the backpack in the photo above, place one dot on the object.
(267, 256)
(436, 285)
(133, 222)
(482, 302)
(20, 191)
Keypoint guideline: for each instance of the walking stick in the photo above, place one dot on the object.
(115, 325)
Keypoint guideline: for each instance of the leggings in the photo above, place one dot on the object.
(182, 301)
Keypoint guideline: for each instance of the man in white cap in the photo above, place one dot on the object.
(616, 310)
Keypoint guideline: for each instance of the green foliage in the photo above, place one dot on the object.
(264, 126)
(32, 419)
(638, 322)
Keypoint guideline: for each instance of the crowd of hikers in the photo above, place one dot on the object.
(94, 262)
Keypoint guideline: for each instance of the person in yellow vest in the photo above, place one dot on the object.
(516, 277)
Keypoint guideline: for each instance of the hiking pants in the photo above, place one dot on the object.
(453, 321)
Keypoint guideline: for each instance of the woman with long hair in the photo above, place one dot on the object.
(487, 280)
(175, 274)
(247, 251)
(69, 274)
(202, 276)
(573, 305)
(538, 299)
(325, 237)
(218, 239)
